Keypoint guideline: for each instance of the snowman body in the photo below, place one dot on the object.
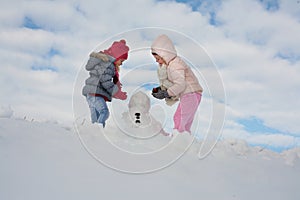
(138, 120)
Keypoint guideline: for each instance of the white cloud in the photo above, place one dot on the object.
(290, 8)
(256, 81)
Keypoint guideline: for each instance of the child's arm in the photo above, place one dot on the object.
(106, 80)
(177, 73)
(163, 77)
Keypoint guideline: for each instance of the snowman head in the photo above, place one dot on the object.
(139, 106)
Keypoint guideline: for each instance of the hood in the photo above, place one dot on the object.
(164, 47)
(98, 59)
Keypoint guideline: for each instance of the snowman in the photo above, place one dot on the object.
(138, 121)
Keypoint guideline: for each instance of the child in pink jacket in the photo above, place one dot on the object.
(185, 83)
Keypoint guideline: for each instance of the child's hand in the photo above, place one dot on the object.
(161, 94)
(120, 95)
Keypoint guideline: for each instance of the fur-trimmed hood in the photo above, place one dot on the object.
(102, 56)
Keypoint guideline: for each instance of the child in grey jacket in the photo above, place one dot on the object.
(103, 82)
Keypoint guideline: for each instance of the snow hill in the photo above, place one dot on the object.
(47, 161)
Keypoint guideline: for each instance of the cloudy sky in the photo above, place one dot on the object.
(254, 45)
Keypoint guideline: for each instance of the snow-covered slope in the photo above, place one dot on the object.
(46, 161)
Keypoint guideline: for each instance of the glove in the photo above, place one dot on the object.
(155, 90)
(161, 94)
(120, 95)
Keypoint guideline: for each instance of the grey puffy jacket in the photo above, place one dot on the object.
(101, 73)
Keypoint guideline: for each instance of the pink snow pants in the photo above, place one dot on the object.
(186, 110)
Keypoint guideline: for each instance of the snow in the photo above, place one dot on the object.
(41, 160)
(6, 111)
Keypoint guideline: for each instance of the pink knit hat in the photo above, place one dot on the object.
(118, 50)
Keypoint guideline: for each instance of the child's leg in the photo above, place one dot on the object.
(98, 108)
(196, 99)
(177, 117)
(102, 110)
(91, 103)
(186, 110)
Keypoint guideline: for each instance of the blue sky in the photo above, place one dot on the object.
(29, 23)
(254, 44)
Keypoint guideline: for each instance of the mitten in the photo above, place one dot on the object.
(161, 94)
(120, 95)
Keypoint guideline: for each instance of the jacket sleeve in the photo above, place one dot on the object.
(177, 76)
(106, 79)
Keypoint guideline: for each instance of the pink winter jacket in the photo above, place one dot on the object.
(179, 73)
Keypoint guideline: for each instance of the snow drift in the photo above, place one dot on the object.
(47, 161)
